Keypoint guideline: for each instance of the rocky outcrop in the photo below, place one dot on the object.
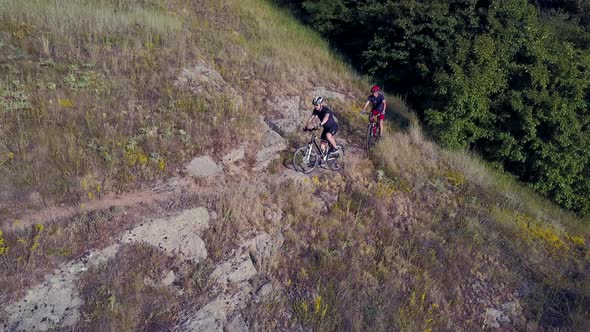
(214, 315)
(286, 115)
(237, 324)
(203, 80)
(55, 302)
(203, 167)
(232, 279)
(235, 271)
(234, 155)
(179, 235)
(272, 143)
(507, 315)
(327, 93)
(263, 247)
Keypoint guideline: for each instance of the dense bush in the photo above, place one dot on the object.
(502, 79)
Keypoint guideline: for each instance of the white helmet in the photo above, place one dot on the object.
(318, 100)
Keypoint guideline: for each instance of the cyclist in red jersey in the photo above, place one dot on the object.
(377, 100)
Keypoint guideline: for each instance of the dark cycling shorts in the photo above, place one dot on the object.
(378, 114)
(333, 129)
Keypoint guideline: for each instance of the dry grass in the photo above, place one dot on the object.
(34, 252)
(427, 240)
(417, 238)
(88, 87)
(239, 210)
(127, 294)
(456, 200)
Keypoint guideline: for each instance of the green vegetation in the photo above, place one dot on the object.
(414, 238)
(495, 77)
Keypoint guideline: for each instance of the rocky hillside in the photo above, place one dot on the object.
(146, 184)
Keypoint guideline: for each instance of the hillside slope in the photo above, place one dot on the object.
(146, 185)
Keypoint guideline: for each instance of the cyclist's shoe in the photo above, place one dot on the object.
(333, 150)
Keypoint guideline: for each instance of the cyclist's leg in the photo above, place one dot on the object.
(324, 138)
(380, 116)
(330, 136)
(375, 117)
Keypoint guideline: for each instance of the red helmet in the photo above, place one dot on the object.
(374, 88)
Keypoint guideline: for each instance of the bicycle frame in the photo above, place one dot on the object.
(314, 141)
(374, 123)
(306, 159)
(372, 130)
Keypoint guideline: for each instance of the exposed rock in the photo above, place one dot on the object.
(203, 167)
(237, 325)
(263, 247)
(286, 105)
(55, 302)
(327, 93)
(213, 316)
(265, 291)
(213, 216)
(169, 278)
(286, 114)
(234, 271)
(35, 199)
(508, 313)
(201, 79)
(272, 144)
(210, 318)
(177, 235)
(514, 311)
(493, 318)
(234, 155)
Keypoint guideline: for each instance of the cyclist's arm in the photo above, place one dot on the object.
(384, 106)
(326, 118)
(366, 104)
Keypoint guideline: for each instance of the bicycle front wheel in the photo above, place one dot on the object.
(371, 135)
(305, 159)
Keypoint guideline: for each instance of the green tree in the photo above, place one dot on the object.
(493, 76)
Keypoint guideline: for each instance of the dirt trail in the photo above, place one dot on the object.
(159, 192)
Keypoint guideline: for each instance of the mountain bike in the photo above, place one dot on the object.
(307, 157)
(372, 130)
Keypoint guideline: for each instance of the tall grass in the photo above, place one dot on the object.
(103, 72)
(474, 212)
(97, 17)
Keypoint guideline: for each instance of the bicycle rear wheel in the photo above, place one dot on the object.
(305, 159)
